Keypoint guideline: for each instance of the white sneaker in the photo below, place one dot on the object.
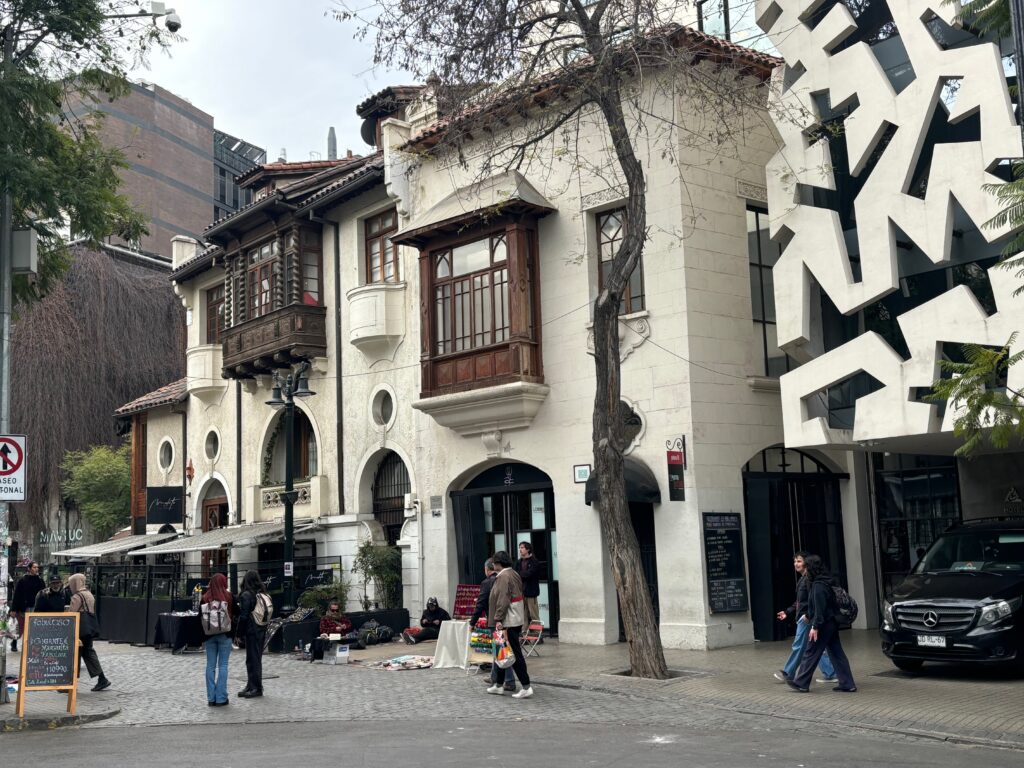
(498, 690)
(828, 679)
(525, 693)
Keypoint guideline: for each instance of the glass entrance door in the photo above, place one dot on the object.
(499, 516)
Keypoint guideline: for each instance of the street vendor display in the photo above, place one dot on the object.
(49, 657)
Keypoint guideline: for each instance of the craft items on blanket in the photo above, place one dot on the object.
(403, 662)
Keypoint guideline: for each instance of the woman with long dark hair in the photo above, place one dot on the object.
(218, 612)
(824, 633)
(255, 610)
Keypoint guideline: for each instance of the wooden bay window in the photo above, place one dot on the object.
(214, 314)
(381, 253)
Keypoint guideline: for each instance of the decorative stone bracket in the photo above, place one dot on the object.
(634, 330)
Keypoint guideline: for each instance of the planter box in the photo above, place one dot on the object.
(396, 618)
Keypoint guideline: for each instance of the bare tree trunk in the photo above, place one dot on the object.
(646, 655)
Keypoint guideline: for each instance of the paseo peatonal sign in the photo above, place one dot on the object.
(12, 467)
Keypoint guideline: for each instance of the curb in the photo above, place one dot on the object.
(19, 724)
(951, 738)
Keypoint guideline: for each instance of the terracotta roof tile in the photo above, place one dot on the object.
(393, 95)
(758, 63)
(370, 164)
(175, 392)
(301, 165)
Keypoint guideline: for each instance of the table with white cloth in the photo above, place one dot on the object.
(452, 649)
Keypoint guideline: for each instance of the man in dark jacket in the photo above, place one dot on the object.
(529, 570)
(430, 623)
(29, 585)
(799, 611)
(51, 600)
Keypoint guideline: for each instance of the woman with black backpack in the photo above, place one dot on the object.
(255, 610)
(823, 613)
(217, 608)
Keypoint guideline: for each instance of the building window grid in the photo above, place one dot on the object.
(763, 254)
(611, 229)
(471, 308)
(214, 314)
(262, 280)
(381, 253)
(311, 250)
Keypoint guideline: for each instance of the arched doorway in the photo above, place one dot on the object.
(792, 503)
(390, 484)
(214, 515)
(306, 454)
(498, 509)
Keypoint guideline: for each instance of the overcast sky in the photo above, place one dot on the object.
(276, 73)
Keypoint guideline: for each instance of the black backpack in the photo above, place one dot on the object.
(846, 607)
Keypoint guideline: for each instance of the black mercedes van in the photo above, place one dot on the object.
(962, 601)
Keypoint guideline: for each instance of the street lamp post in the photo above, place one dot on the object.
(286, 389)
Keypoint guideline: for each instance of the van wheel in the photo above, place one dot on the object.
(908, 665)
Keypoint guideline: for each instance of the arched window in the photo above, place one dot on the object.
(390, 484)
(306, 453)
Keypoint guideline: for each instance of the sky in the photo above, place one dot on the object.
(276, 73)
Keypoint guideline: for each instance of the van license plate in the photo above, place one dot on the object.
(937, 641)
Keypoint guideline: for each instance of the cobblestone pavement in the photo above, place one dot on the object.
(728, 688)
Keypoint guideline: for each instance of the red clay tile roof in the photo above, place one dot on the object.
(168, 394)
(704, 46)
(369, 165)
(301, 165)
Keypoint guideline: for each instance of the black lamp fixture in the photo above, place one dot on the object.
(286, 388)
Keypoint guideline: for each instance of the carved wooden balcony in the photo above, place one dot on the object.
(276, 340)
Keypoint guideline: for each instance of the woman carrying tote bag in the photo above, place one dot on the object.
(83, 602)
(505, 614)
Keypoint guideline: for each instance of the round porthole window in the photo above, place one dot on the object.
(383, 408)
(166, 455)
(212, 445)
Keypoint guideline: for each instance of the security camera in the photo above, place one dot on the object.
(172, 21)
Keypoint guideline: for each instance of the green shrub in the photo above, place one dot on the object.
(318, 597)
(380, 565)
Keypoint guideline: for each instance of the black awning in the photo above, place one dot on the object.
(641, 486)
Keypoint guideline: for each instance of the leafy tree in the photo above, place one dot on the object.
(99, 480)
(63, 57)
(526, 84)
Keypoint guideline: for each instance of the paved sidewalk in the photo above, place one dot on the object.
(728, 688)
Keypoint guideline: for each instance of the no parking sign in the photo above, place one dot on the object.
(12, 467)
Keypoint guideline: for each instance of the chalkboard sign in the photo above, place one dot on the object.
(165, 504)
(49, 657)
(723, 553)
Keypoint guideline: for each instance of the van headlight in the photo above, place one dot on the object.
(998, 611)
(890, 622)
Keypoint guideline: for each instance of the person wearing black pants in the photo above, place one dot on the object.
(824, 634)
(254, 614)
(505, 612)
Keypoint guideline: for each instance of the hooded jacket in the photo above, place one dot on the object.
(821, 601)
(81, 598)
(25, 592)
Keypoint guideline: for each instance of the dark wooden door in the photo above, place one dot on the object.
(215, 515)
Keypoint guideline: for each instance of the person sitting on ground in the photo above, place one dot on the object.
(51, 600)
(430, 623)
(334, 622)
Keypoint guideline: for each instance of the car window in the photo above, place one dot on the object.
(968, 550)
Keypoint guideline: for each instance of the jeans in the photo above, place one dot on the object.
(512, 636)
(218, 650)
(254, 638)
(828, 639)
(803, 628)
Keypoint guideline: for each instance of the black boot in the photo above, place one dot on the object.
(102, 684)
(14, 645)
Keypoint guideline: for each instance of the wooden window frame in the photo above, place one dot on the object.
(214, 309)
(476, 336)
(317, 252)
(512, 356)
(629, 302)
(259, 265)
(382, 239)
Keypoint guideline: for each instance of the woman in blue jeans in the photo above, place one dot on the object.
(803, 627)
(218, 647)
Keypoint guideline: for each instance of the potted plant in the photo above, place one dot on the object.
(381, 566)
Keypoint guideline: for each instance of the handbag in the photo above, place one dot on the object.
(88, 624)
(515, 616)
(504, 656)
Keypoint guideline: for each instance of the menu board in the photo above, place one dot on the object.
(723, 553)
(49, 659)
